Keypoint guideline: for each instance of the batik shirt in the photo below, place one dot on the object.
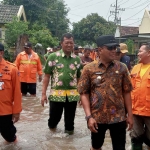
(64, 71)
(105, 87)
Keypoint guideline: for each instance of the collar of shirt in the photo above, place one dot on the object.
(24, 53)
(63, 54)
(100, 63)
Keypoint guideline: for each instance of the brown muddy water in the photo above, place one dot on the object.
(33, 132)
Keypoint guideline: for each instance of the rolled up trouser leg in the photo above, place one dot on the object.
(7, 128)
(137, 133)
(147, 131)
(137, 143)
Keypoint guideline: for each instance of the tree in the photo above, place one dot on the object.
(17, 33)
(130, 45)
(52, 13)
(89, 28)
(42, 35)
(15, 29)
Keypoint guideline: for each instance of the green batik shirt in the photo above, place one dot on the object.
(46, 55)
(64, 71)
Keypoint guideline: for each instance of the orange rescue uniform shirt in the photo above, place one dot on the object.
(141, 91)
(28, 67)
(10, 94)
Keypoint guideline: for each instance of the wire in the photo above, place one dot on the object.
(115, 2)
(108, 12)
(132, 23)
(124, 2)
(82, 4)
(76, 15)
(137, 6)
(135, 14)
(88, 6)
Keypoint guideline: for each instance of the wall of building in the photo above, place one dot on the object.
(2, 33)
(145, 24)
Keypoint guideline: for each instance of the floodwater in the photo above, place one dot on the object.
(33, 132)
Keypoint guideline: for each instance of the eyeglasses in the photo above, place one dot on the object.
(110, 48)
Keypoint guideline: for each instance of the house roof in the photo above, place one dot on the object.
(7, 12)
(126, 30)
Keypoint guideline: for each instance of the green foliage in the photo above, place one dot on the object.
(13, 30)
(89, 28)
(52, 13)
(37, 34)
(6, 55)
(42, 59)
(130, 45)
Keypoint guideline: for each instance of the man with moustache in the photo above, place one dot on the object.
(104, 88)
(64, 68)
(140, 76)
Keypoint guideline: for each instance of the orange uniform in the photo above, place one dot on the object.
(28, 67)
(92, 55)
(141, 92)
(10, 94)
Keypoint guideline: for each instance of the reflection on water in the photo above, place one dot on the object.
(33, 132)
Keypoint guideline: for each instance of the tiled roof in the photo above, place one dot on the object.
(7, 12)
(125, 30)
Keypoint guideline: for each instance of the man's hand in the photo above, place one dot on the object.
(44, 99)
(129, 122)
(92, 125)
(15, 117)
(40, 78)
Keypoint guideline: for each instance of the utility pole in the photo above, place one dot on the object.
(115, 13)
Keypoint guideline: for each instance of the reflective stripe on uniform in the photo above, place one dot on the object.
(28, 62)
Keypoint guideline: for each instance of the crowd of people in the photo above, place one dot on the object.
(114, 96)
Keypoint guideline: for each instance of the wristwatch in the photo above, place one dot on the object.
(88, 117)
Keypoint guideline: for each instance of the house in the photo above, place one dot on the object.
(145, 23)
(126, 30)
(7, 13)
(139, 34)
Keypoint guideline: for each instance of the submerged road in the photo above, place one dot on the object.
(34, 134)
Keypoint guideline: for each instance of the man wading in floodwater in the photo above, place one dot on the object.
(64, 67)
(105, 88)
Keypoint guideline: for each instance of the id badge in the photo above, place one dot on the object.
(1, 85)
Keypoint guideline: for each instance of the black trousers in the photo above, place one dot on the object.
(28, 87)
(56, 110)
(7, 128)
(117, 133)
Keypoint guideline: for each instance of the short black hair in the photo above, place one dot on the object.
(66, 35)
(147, 46)
(55, 48)
(76, 47)
(87, 49)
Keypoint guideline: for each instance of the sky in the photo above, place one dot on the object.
(131, 16)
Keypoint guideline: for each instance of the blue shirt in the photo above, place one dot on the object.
(126, 60)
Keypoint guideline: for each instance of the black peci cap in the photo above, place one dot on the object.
(106, 40)
(1, 47)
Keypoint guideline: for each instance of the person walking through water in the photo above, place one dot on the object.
(105, 88)
(140, 76)
(64, 68)
(10, 98)
(29, 64)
